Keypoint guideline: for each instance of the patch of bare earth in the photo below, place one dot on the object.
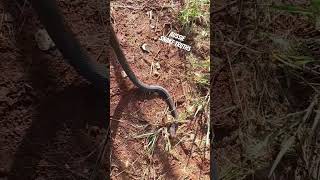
(134, 113)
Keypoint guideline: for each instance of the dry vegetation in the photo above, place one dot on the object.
(265, 89)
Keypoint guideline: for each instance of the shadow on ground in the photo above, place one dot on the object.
(59, 143)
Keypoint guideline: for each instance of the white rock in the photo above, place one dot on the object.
(145, 47)
(43, 40)
(157, 65)
(123, 74)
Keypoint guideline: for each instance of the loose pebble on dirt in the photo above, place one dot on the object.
(43, 40)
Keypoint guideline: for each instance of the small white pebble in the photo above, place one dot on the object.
(157, 65)
(145, 47)
(43, 40)
(123, 74)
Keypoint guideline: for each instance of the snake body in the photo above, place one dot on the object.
(144, 87)
(97, 73)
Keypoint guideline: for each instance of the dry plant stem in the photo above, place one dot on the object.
(238, 96)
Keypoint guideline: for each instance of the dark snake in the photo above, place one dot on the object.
(96, 73)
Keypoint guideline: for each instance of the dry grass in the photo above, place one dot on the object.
(275, 91)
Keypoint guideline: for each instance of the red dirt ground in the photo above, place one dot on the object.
(133, 113)
(48, 114)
